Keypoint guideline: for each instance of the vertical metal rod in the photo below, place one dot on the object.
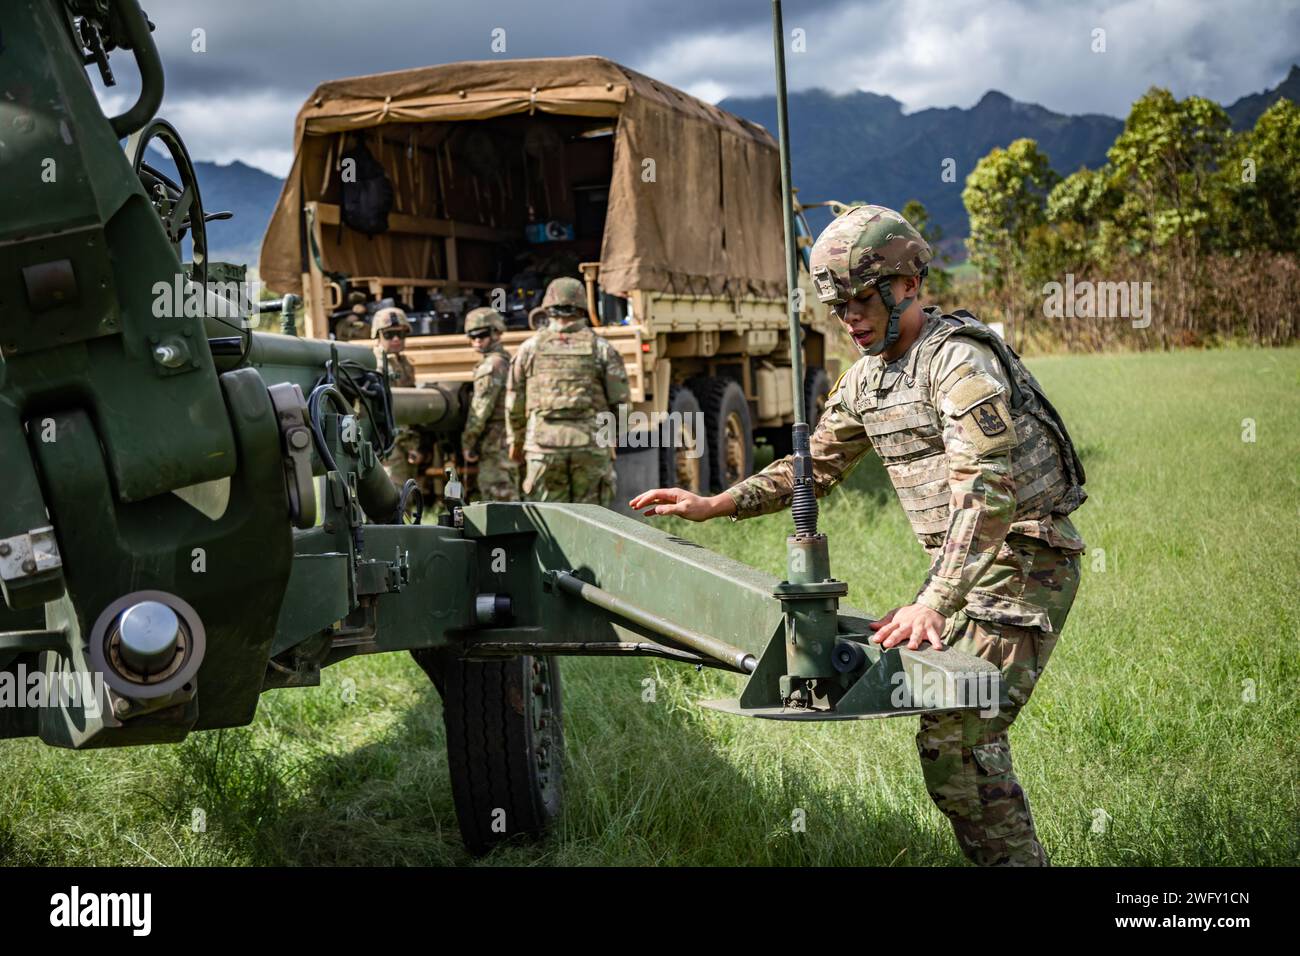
(787, 209)
(803, 505)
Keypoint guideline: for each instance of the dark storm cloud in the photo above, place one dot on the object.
(237, 99)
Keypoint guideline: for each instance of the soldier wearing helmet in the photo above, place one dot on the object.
(987, 475)
(562, 381)
(390, 328)
(351, 323)
(483, 439)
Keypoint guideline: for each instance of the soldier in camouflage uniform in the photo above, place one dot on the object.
(561, 379)
(390, 328)
(484, 437)
(352, 324)
(987, 475)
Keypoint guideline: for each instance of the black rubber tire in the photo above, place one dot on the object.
(502, 788)
(720, 398)
(434, 663)
(816, 386)
(683, 402)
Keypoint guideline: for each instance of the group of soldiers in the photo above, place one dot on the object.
(539, 411)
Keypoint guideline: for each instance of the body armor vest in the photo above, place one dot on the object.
(902, 421)
(401, 373)
(567, 381)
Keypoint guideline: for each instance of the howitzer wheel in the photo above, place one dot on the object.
(505, 746)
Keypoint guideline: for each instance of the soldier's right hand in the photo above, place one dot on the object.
(683, 504)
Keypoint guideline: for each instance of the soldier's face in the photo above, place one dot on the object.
(482, 341)
(865, 317)
(394, 342)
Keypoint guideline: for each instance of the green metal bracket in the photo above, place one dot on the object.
(624, 566)
(890, 683)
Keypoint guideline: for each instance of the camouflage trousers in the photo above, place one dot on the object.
(498, 478)
(965, 758)
(399, 464)
(579, 475)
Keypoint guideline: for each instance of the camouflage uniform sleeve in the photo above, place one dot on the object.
(617, 390)
(517, 396)
(836, 445)
(489, 380)
(970, 392)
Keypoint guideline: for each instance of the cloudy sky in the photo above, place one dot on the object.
(237, 98)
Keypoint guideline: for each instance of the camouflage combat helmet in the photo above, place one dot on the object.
(857, 250)
(389, 318)
(565, 296)
(484, 319)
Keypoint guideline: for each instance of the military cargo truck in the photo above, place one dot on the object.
(447, 187)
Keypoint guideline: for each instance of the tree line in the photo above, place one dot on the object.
(1187, 236)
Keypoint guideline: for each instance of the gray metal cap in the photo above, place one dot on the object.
(149, 633)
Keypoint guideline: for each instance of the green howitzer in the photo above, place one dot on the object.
(196, 513)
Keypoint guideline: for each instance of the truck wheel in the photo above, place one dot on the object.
(816, 386)
(683, 458)
(730, 432)
(505, 746)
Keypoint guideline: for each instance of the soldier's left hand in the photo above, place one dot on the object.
(914, 623)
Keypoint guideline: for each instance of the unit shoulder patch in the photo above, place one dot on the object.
(989, 420)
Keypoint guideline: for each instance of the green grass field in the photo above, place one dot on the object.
(1163, 731)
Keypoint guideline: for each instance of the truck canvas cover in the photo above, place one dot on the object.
(694, 197)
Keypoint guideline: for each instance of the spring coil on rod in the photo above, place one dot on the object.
(803, 505)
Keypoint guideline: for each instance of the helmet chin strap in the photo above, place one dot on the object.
(896, 309)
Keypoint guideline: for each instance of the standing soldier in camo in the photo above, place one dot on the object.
(483, 439)
(987, 474)
(390, 328)
(561, 381)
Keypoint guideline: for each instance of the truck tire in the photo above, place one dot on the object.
(816, 386)
(729, 428)
(683, 459)
(505, 746)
